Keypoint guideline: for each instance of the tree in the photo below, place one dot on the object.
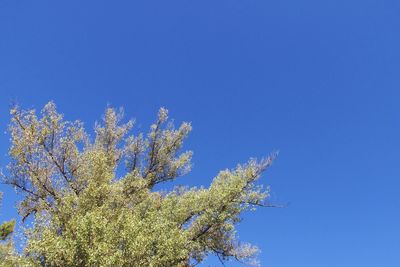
(6, 228)
(88, 212)
(7, 253)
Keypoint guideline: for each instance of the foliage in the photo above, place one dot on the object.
(6, 229)
(88, 213)
(8, 256)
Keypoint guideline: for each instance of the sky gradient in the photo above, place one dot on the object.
(317, 80)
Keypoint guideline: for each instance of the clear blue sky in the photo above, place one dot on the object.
(318, 80)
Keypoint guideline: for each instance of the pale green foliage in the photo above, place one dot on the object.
(6, 228)
(8, 257)
(87, 215)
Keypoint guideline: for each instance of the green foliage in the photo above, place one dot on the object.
(6, 229)
(88, 214)
(8, 257)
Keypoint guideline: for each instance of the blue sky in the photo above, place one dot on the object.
(318, 80)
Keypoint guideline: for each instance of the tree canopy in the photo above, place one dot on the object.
(93, 201)
(7, 253)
